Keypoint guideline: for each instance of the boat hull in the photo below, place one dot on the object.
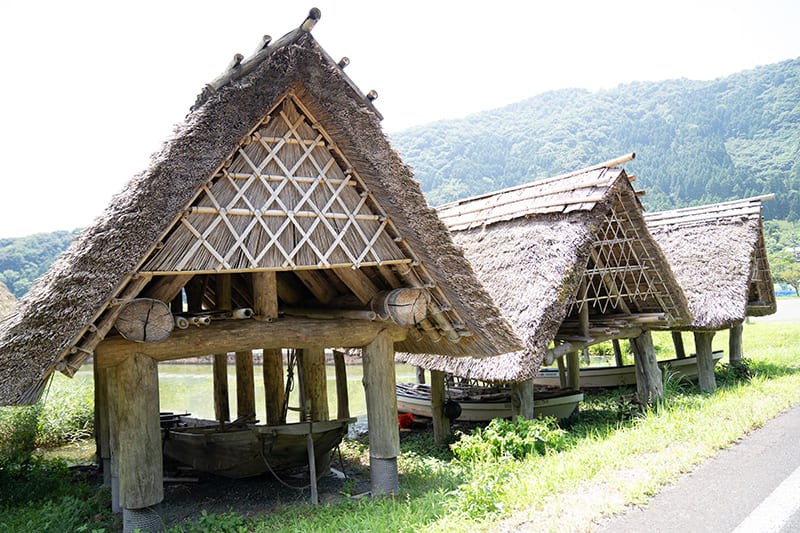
(559, 405)
(618, 376)
(250, 450)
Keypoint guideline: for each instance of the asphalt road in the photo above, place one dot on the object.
(751, 487)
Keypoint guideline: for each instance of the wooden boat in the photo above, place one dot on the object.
(244, 450)
(480, 404)
(616, 376)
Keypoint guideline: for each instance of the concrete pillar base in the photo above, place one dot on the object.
(383, 476)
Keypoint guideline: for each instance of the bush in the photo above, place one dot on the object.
(503, 439)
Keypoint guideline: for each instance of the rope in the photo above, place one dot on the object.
(269, 467)
(292, 358)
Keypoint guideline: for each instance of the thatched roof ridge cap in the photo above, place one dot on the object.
(721, 207)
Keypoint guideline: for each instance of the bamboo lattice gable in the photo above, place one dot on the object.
(718, 255)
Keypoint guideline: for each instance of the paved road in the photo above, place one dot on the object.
(751, 487)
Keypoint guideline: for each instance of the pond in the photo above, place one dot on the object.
(188, 388)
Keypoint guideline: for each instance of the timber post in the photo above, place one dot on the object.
(441, 424)
(381, 397)
(573, 370)
(705, 360)
(315, 385)
(420, 375)
(273, 385)
(245, 388)
(677, 340)
(617, 352)
(342, 398)
(134, 393)
(522, 399)
(649, 382)
(101, 422)
(222, 408)
(735, 345)
(562, 372)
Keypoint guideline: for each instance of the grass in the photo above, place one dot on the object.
(611, 454)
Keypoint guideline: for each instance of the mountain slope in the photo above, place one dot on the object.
(696, 141)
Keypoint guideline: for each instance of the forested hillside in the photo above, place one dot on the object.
(696, 142)
(24, 259)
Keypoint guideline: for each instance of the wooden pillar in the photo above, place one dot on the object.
(113, 442)
(101, 428)
(573, 371)
(617, 352)
(441, 424)
(342, 398)
(420, 375)
(134, 393)
(384, 431)
(273, 386)
(222, 408)
(649, 383)
(245, 388)
(562, 372)
(522, 399)
(315, 385)
(735, 345)
(705, 361)
(677, 340)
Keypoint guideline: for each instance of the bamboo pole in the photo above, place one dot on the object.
(384, 434)
(441, 424)
(705, 360)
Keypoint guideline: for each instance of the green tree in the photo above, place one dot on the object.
(786, 269)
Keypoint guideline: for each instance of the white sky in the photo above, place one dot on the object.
(88, 90)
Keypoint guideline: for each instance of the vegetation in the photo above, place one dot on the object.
(697, 142)
(514, 472)
(24, 259)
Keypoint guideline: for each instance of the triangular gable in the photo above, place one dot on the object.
(286, 199)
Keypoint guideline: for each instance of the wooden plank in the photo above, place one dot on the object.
(441, 424)
(240, 335)
(705, 360)
(649, 383)
(135, 396)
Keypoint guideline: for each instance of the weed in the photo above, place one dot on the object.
(516, 439)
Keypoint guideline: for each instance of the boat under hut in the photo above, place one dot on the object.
(719, 258)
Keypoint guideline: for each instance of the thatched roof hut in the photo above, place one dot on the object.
(280, 166)
(7, 300)
(718, 256)
(553, 250)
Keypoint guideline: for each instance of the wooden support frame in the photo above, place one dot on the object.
(649, 382)
(522, 399)
(342, 397)
(677, 341)
(735, 345)
(705, 360)
(441, 424)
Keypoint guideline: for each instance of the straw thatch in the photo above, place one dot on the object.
(7, 300)
(57, 319)
(718, 256)
(535, 246)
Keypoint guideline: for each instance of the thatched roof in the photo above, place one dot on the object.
(718, 256)
(547, 249)
(7, 300)
(201, 201)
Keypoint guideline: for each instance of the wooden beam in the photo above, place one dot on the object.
(735, 345)
(222, 336)
(358, 282)
(245, 387)
(273, 385)
(222, 409)
(384, 431)
(441, 424)
(166, 288)
(134, 387)
(649, 383)
(317, 284)
(290, 290)
(522, 399)
(342, 398)
(705, 361)
(677, 340)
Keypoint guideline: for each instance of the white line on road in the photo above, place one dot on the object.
(776, 509)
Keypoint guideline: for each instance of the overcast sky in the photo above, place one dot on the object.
(91, 89)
